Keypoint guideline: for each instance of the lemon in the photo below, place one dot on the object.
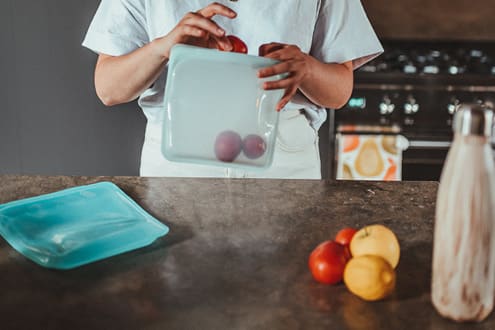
(369, 277)
(376, 240)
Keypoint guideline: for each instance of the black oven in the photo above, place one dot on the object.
(412, 90)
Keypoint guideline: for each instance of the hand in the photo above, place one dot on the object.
(292, 61)
(198, 29)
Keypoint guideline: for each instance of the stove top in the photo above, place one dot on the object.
(434, 58)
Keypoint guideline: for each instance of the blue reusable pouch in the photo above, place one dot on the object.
(77, 226)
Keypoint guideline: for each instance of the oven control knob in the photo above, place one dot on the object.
(489, 103)
(452, 106)
(411, 106)
(386, 106)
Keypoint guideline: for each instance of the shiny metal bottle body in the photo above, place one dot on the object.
(463, 270)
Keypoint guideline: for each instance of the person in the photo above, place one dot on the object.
(318, 43)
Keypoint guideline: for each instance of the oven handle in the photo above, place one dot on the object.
(429, 144)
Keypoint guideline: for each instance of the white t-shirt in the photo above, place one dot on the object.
(333, 31)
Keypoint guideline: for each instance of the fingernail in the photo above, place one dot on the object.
(220, 31)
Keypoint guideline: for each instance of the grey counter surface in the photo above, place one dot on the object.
(235, 258)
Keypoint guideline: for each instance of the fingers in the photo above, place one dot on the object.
(290, 84)
(293, 62)
(286, 53)
(193, 31)
(295, 69)
(279, 68)
(223, 42)
(208, 40)
(282, 83)
(289, 93)
(199, 25)
(266, 49)
(198, 21)
(217, 9)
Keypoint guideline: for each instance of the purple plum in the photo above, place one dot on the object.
(253, 146)
(228, 146)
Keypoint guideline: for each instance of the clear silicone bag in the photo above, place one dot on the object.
(212, 95)
(76, 226)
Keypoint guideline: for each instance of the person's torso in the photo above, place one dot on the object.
(257, 22)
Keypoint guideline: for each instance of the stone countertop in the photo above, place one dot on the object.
(235, 258)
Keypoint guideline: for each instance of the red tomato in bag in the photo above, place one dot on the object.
(327, 262)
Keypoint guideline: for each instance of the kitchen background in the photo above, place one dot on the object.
(51, 121)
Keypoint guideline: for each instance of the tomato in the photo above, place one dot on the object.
(327, 262)
(345, 235)
(238, 46)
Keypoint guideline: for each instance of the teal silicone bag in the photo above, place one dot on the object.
(76, 226)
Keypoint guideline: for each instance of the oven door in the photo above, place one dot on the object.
(424, 158)
(420, 157)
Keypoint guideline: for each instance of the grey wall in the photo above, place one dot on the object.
(51, 121)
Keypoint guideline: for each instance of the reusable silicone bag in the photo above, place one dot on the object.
(76, 226)
(210, 92)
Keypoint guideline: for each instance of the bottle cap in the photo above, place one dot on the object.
(473, 119)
